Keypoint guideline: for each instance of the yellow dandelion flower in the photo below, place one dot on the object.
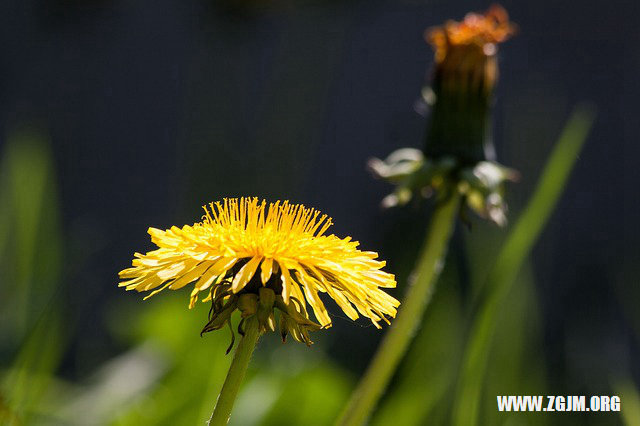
(246, 255)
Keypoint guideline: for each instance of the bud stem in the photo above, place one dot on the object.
(237, 369)
(397, 340)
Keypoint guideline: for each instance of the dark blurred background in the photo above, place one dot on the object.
(142, 111)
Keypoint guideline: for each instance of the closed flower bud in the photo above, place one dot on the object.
(458, 154)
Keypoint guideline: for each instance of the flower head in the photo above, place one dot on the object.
(464, 77)
(458, 154)
(252, 257)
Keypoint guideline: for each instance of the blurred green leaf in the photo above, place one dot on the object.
(30, 235)
(26, 381)
(516, 360)
(312, 397)
(193, 367)
(509, 261)
(425, 378)
(30, 253)
(108, 392)
(630, 402)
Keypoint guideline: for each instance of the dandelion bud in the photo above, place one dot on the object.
(464, 77)
(458, 154)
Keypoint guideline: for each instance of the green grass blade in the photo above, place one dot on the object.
(30, 235)
(30, 251)
(33, 369)
(509, 261)
(431, 363)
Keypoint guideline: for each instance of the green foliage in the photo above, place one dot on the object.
(30, 263)
(192, 368)
(515, 364)
(312, 396)
(30, 236)
(630, 398)
(476, 342)
(425, 378)
(509, 261)
(443, 375)
(186, 372)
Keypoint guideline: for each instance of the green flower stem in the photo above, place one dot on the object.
(396, 341)
(238, 368)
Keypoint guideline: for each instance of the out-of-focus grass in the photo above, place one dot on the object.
(30, 258)
(505, 339)
(172, 376)
(423, 385)
(25, 382)
(630, 401)
(509, 261)
(195, 367)
(515, 363)
(422, 393)
(312, 396)
(30, 236)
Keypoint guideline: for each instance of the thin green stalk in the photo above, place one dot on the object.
(238, 368)
(396, 341)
